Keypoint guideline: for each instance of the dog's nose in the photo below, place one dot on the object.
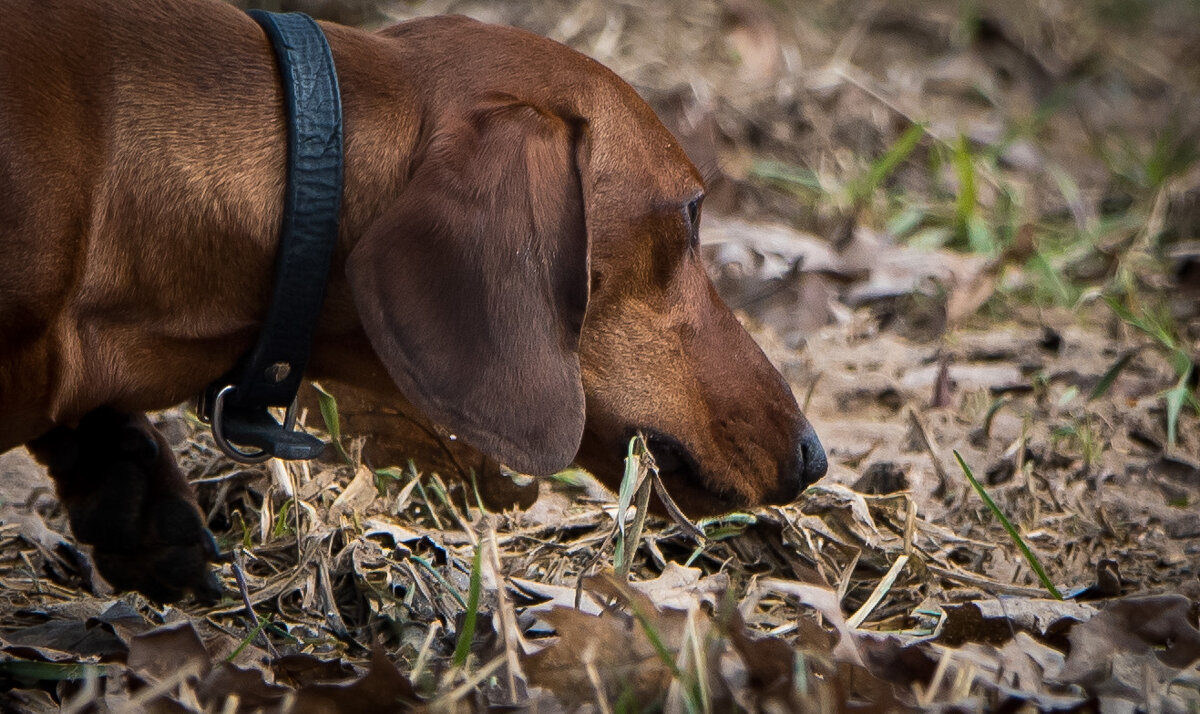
(813, 462)
(807, 465)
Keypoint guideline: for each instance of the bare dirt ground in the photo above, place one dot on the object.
(955, 227)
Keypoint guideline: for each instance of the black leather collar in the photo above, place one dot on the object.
(269, 375)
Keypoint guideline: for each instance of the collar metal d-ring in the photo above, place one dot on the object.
(217, 418)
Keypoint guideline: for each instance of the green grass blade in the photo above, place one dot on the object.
(1181, 362)
(28, 670)
(1052, 282)
(333, 423)
(992, 411)
(1159, 333)
(385, 476)
(1008, 526)
(475, 490)
(667, 658)
(1106, 382)
(907, 221)
(786, 174)
(624, 499)
(883, 167)
(635, 482)
(262, 623)
(446, 585)
(979, 235)
(282, 527)
(1176, 397)
(964, 170)
(463, 648)
(633, 464)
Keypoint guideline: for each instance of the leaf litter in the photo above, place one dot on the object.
(916, 212)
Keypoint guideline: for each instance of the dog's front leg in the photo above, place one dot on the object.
(126, 497)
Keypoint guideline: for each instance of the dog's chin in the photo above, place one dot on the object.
(694, 500)
(686, 484)
(695, 492)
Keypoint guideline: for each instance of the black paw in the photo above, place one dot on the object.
(125, 496)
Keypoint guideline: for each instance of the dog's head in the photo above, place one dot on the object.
(537, 286)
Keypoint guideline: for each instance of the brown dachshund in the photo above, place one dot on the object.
(517, 262)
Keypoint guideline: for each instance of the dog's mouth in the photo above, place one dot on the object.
(685, 481)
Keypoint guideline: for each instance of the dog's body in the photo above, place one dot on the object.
(516, 260)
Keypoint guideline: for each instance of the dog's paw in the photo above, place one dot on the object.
(162, 550)
(126, 498)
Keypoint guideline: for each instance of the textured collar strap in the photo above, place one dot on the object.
(270, 374)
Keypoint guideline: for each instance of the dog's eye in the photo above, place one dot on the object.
(692, 211)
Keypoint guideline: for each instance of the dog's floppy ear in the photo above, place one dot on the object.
(472, 288)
